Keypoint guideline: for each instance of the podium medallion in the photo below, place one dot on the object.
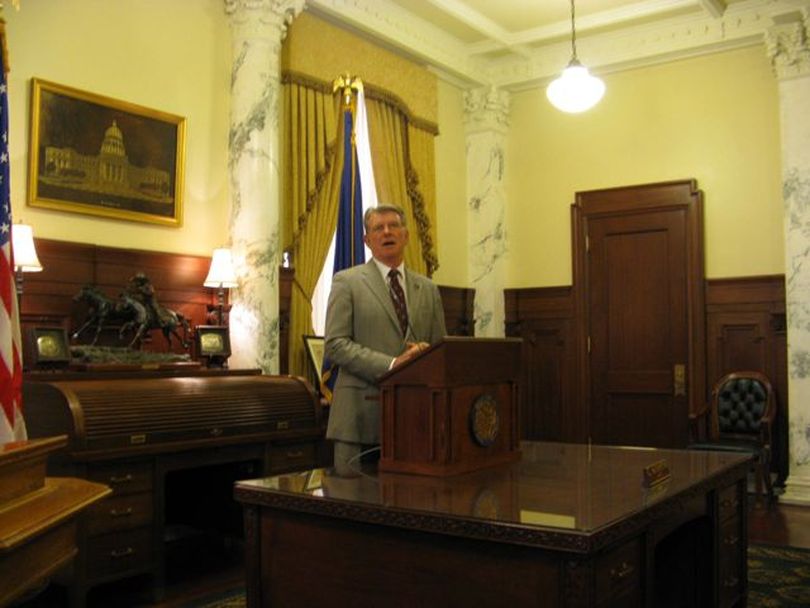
(484, 420)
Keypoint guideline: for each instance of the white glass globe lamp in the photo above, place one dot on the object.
(575, 90)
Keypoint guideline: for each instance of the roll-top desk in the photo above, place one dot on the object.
(135, 433)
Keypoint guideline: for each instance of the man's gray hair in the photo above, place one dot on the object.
(382, 209)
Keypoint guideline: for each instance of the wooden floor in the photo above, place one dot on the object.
(780, 525)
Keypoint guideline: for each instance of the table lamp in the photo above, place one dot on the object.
(221, 276)
(25, 254)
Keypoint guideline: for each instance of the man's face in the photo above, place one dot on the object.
(387, 237)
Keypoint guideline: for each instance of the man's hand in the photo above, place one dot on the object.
(412, 349)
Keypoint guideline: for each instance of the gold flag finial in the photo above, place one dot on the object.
(348, 85)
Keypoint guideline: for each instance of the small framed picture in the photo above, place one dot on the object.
(48, 347)
(315, 345)
(213, 341)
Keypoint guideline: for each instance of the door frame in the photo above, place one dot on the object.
(626, 200)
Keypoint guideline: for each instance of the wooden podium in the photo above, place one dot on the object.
(453, 409)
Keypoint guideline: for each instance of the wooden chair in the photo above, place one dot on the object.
(741, 414)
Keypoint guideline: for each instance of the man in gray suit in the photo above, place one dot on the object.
(375, 322)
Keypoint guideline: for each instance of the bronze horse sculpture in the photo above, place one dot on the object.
(131, 315)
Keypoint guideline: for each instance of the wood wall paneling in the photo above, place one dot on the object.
(544, 318)
(746, 329)
(458, 310)
(47, 299)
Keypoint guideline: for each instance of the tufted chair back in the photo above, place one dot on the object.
(742, 405)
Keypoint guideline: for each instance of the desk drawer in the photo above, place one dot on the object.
(618, 573)
(123, 477)
(729, 501)
(119, 553)
(120, 513)
(730, 572)
(292, 457)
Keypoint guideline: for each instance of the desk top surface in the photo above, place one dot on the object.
(554, 490)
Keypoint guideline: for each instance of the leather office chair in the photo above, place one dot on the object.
(741, 414)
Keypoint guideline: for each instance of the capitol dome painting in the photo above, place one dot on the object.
(104, 160)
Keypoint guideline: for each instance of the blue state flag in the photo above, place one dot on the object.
(349, 246)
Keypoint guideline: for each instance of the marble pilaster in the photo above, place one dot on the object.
(486, 113)
(787, 45)
(257, 29)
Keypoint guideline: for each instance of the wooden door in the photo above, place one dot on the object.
(640, 291)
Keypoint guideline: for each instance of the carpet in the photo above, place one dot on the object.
(778, 577)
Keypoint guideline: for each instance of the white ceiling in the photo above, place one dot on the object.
(518, 43)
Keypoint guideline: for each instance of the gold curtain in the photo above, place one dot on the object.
(313, 163)
(402, 156)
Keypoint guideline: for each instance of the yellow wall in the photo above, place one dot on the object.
(451, 208)
(712, 118)
(171, 56)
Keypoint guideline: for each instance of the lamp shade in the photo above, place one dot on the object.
(575, 90)
(25, 254)
(221, 273)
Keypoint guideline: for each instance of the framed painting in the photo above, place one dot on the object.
(99, 156)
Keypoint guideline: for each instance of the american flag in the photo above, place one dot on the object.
(12, 425)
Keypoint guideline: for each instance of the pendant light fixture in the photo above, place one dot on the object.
(575, 90)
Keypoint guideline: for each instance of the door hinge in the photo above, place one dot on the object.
(589, 345)
(587, 244)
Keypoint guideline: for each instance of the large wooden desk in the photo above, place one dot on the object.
(568, 525)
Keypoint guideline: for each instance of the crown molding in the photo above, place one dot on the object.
(715, 27)
(666, 40)
(416, 38)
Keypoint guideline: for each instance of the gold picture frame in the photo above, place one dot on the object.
(315, 347)
(100, 156)
(47, 347)
(213, 341)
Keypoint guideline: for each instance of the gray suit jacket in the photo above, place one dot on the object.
(363, 336)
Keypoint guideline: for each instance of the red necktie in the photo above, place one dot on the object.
(398, 297)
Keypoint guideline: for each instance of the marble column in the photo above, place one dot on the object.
(486, 113)
(257, 29)
(787, 45)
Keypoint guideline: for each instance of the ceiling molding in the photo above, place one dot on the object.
(384, 21)
(483, 25)
(650, 44)
(715, 8)
(656, 31)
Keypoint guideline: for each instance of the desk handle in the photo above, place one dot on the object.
(731, 581)
(297, 454)
(623, 571)
(121, 479)
(730, 503)
(119, 553)
(731, 540)
(124, 513)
